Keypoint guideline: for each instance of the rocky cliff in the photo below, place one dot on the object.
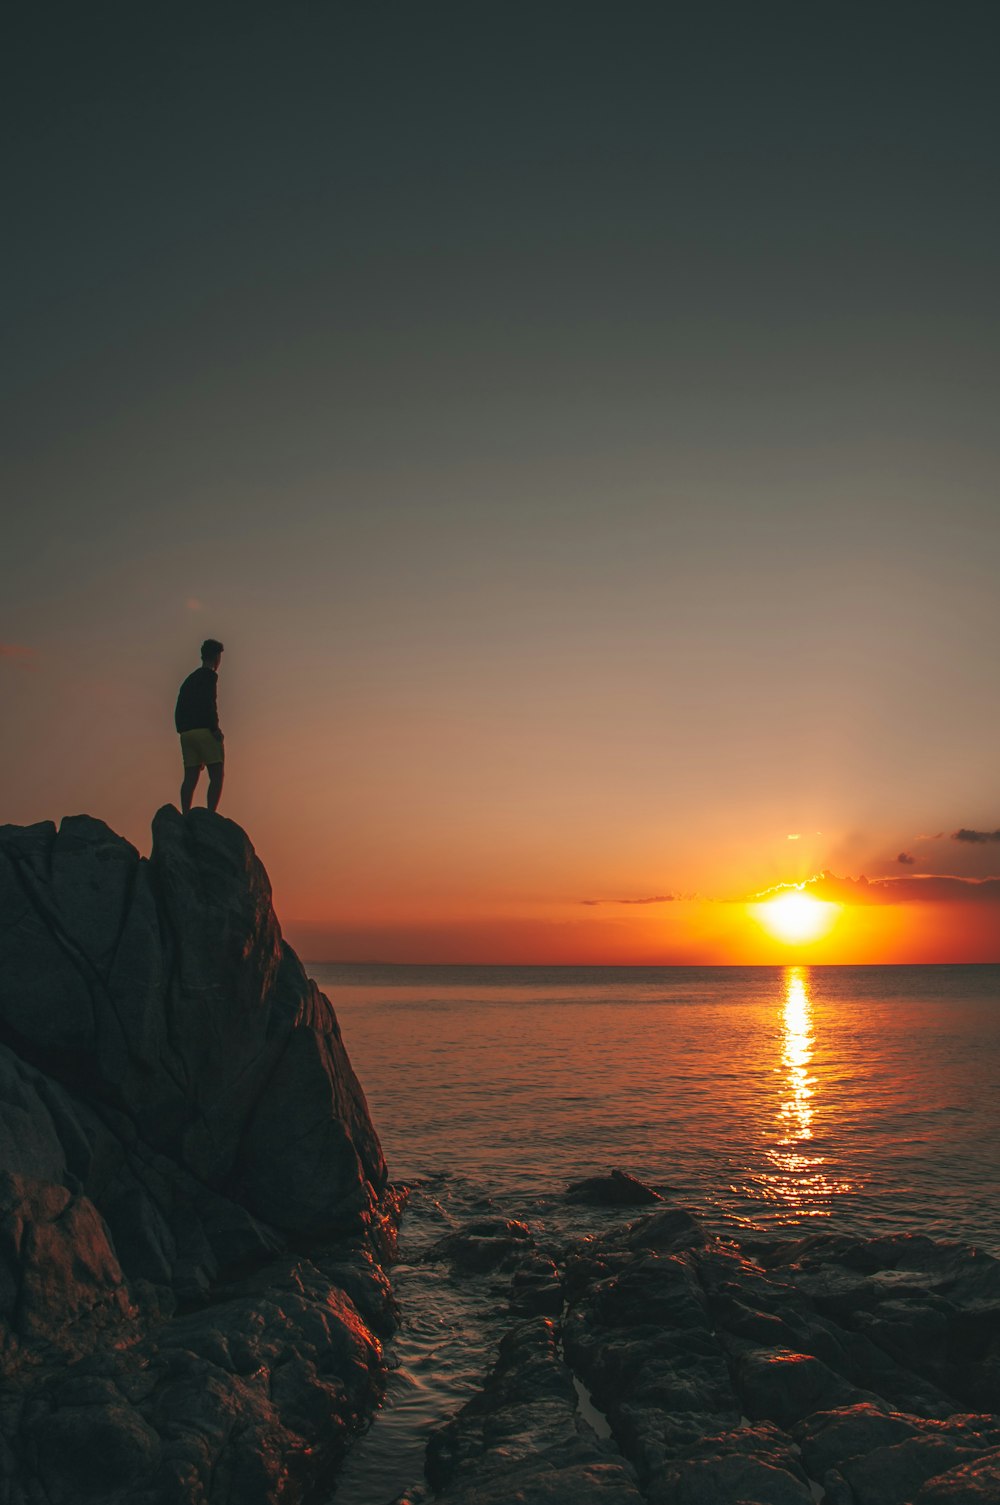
(193, 1205)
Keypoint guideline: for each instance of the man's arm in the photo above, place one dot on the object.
(214, 726)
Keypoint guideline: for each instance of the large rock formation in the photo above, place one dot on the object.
(860, 1372)
(179, 1123)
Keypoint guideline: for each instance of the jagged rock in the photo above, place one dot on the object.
(641, 1339)
(850, 1438)
(676, 1345)
(175, 1104)
(828, 1438)
(782, 1386)
(617, 1189)
(893, 1475)
(522, 1438)
(60, 1282)
(974, 1483)
(535, 1288)
(667, 1231)
(739, 1477)
(482, 1245)
(163, 990)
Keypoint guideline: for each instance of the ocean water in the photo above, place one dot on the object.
(863, 1099)
(766, 1100)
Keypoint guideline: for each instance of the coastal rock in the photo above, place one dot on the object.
(784, 1386)
(484, 1244)
(617, 1189)
(666, 1232)
(975, 1483)
(60, 1282)
(177, 1110)
(522, 1438)
(536, 1288)
(163, 990)
(820, 1365)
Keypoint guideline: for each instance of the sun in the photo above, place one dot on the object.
(795, 917)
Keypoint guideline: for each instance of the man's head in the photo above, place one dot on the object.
(211, 653)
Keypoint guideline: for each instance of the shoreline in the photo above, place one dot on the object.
(648, 1361)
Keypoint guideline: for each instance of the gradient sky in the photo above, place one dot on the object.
(578, 421)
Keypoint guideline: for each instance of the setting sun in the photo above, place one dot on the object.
(795, 917)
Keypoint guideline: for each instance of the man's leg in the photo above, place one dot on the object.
(215, 775)
(191, 776)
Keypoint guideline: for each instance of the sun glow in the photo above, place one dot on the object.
(796, 918)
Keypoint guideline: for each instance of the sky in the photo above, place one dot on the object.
(577, 421)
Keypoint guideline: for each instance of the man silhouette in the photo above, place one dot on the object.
(197, 720)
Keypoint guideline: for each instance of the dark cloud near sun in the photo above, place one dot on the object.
(922, 888)
(975, 838)
(906, 858)
(650, 899)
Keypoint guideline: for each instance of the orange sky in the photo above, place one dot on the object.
(572, 817)
(437, 819)
(581, 431)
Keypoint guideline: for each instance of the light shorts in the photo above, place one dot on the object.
(201, 746)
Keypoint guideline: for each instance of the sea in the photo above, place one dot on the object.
(768, 1101)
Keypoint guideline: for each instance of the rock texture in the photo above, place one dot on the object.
(862, 1373)
(616, 1189)
(522, 1439)
(193, 1202)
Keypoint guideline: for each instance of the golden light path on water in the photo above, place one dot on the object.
(800, 1177)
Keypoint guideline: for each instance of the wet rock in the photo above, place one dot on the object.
(642, 1342)
(886, 1456)
(522, 1438)
(676, 1345)
(781, 1386)
(828, 1438)
(893, 1475)
(973, 1483)
(483, 1245)
(733, 1476)
(617, 1189)
(754, 1463)
(932, 1310)
(536, 1288)
(667, 1231)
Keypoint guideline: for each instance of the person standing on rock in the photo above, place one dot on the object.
(197, 720)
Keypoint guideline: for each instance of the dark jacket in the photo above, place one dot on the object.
(197, 704)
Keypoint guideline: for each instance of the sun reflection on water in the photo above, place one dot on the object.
(796, 1112)
(798, 1175)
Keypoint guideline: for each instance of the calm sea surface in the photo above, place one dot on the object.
(849, 1099)
(859, 1098)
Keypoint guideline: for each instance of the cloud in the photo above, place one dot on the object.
(976, 837)
(652, 899)
(794, 835)
(921, 888)
(16, 653)
(906, 859)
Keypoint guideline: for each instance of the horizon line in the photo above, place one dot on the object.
(633, 966)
